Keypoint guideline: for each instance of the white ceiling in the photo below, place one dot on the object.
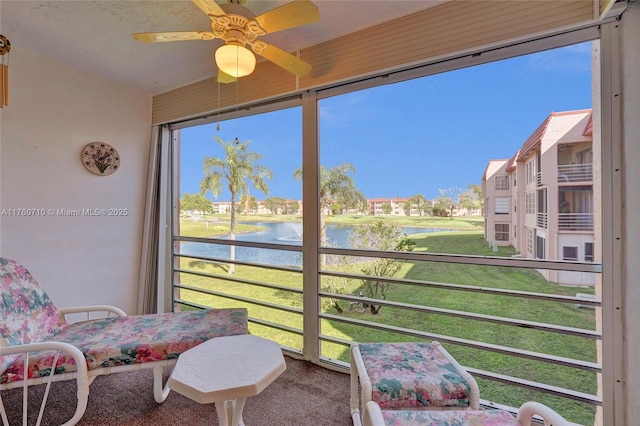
(96, 35)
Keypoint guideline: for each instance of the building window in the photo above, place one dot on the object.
(540, 247)
(588, 252)
(502, 183)
(570, 253)
(502, 205)
(502, 231)
(530, 238)
(530, 203)
(531, 171)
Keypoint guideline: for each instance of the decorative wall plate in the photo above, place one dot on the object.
(100, 158)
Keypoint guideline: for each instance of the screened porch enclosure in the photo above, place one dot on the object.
(523, 337)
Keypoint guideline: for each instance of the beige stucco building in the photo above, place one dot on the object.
(541, 201)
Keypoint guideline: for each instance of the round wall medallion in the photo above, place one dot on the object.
(100, 158)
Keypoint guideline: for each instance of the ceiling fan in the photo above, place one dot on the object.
(239, 27)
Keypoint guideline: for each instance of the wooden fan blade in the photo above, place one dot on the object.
(294, 14)
(223, 77)
(173, 36)
(285, 60)
(210, 7)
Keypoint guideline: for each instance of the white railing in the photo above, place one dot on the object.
(287, 328)
(575, 173)
(542, 220)
(575, 221)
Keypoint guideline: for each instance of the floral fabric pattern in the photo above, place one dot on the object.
(109, 342)
(449, 418)
(405, 375)
(28, 314)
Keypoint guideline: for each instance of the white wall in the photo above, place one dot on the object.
(54, 110)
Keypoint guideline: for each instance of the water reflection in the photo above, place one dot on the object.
(280, 233)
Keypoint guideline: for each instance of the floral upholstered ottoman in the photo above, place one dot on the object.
(450, 418)
(409, 376)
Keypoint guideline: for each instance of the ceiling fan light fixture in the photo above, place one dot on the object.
(235, 60)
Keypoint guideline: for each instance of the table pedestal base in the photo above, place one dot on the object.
(230, 412)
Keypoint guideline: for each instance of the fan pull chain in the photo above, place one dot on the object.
(218, 125)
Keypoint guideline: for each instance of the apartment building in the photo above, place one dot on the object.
(541, 200)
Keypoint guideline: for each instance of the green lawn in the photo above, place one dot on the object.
(463, 242)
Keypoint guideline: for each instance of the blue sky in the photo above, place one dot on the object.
(414, 137)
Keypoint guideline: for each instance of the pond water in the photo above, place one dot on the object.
(280, 233)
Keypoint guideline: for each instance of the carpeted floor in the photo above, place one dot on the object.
(305, 394)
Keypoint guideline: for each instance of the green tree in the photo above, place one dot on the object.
(386, 208)
(336, 185)
(291, 207)
(195, 203)
(274, 204)
(384, 236)
(237, 168)
(471, 198)
(420, 203)
(246, 204)
(407, 206)
(449, 200)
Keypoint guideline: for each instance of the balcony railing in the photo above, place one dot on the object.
(456, 312)
(542, 220)
(575, 221)
(575, 173)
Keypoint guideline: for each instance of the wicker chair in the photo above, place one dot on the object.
(39, 345)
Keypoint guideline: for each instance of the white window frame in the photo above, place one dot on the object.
(501, 183)
(503, 232)
(571, 258)
(530, 202)
(502, 205)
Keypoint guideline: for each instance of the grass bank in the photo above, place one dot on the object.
(467, 241)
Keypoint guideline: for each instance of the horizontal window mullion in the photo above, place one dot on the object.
(239, 243)
(558, 265)
(238, 298)
(536, 356)
(276, 326)
(473, 289)
(240, 262)
(333, 339)
(541, 387)
(472, 316)
(239, 280)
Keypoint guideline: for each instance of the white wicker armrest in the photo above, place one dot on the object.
(372, 415)
(87, 310)
(81, 376)
(529, 409)
(474, 395)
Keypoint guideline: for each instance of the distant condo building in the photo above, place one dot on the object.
(396, 206)
(541, 200)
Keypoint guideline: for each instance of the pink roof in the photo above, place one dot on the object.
(535, 138)
(588, 129)
(511, 165)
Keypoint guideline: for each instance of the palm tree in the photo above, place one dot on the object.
(335, 185)
(237, 168)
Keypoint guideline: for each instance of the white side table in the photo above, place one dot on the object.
(227, 370)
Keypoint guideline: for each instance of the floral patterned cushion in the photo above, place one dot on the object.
(114, 341)
(449, 418)
(28, 315)
(405, 375)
